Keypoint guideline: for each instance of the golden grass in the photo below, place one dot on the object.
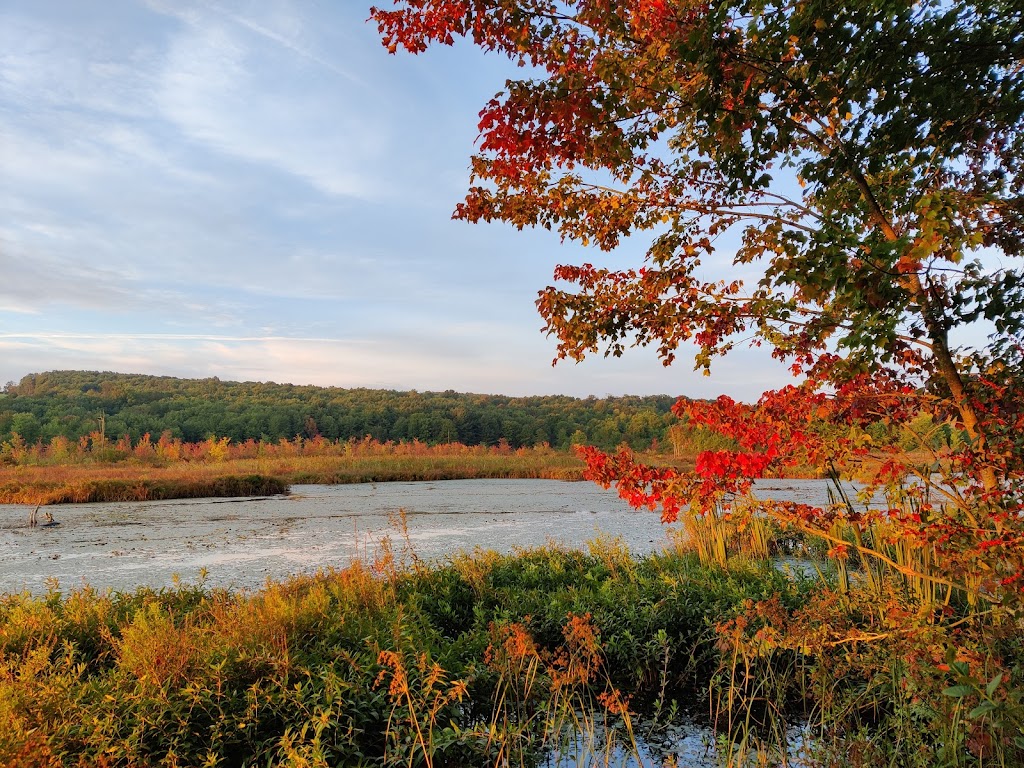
(98, 470)
(135, 479)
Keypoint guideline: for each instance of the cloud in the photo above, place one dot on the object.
(444, 358)
(197, 188)
(43, 336)
(286, 18)
(48, 67)
(52, 287)
(241, 100)
(33, 281)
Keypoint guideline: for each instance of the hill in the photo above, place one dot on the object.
(74, 404)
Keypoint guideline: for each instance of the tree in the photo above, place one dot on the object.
(865, 159)
(861, 164)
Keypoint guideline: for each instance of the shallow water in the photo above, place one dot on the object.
(242, 542)
(683, 743)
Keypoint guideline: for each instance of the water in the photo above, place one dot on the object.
(683, 743)
(240, 543)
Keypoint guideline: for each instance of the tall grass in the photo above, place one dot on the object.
(485, 660)
(172, 469)
(878, 651)
(897, 658)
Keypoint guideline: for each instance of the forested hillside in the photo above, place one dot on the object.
(74, 404)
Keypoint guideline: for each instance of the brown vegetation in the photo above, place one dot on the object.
(172, 469)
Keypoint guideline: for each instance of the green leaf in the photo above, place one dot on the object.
(993, 684)
(982, 709)
(958, 691)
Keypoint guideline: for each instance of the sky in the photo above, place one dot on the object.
(258, 191)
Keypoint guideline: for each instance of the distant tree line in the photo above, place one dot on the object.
(77, 404)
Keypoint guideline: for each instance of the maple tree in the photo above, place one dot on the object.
(862, 163)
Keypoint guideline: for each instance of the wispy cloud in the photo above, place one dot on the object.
(396, 363)
(32, 282)
(256, 190)
(51, 335)
(289, 19)
(222, 91)
(283, 24)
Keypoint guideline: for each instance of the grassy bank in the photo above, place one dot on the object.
(489, 660)
(475, 662)
(80, 487)
(126, 470)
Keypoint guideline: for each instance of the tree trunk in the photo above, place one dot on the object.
(944, 363)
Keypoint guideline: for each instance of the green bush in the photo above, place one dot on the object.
(359, 666)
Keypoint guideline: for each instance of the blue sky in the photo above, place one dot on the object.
(258, 191)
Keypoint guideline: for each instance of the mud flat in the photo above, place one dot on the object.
(240, 543)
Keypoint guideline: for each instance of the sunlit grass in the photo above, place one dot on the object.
(487, 659)
(217, 468)
(483, 660)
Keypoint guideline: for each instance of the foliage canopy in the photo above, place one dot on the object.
(861, 163)
(869, 157)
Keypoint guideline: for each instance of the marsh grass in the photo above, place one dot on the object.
(218, 468)
(483, 660)
(897, 657)
(719, 536)
(544, 657)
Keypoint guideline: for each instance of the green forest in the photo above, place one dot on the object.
(75, 404)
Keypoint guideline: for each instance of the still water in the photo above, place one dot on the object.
(240, 543)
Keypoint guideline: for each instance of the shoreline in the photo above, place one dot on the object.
(44, 485)
(134, 480)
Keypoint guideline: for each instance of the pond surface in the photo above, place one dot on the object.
(241, 543)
